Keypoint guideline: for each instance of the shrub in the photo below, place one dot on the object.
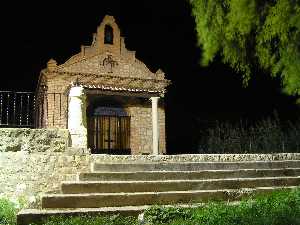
(266, 136)
(7, 212)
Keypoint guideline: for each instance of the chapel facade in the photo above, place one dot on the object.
(109, 100)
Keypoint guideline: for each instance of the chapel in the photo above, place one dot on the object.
(110, 102)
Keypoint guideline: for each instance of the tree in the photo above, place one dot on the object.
(251, 34)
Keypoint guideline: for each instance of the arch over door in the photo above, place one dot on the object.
(109, 131)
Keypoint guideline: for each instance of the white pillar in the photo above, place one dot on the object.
(77, 117)
(155, 126)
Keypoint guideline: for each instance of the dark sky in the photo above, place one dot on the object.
(163, 35)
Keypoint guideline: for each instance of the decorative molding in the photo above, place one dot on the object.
(109, 62)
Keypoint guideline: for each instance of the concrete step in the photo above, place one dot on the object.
(174, 185)
(187, 175)
(97, 200)
(193, 166)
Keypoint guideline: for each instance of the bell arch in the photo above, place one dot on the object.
(108, 35)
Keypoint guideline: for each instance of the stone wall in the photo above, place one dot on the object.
(33, 140)
(27, 176)
(30, 160)
(141, 129)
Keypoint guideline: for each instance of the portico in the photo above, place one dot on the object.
(77, 119)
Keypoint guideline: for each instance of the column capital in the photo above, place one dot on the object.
(76, 91)
(154, 99)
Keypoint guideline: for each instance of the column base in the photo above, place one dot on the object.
(79, 140)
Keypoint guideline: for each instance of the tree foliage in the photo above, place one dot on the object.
(250, 34)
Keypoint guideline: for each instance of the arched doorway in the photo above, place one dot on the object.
(108, 128)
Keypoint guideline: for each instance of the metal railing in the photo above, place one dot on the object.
(23, 109)
(17, 109)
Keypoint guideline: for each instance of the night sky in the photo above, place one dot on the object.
(162, 32)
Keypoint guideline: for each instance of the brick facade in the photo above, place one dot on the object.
(105, 69)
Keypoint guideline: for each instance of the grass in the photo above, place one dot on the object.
(87, 220)
(7, 212)
(277, 208)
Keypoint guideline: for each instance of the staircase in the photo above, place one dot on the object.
(129, 188)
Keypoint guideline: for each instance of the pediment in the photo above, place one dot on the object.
(109, 64)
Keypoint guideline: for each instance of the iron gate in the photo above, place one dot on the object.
(17, 109)
(109, 134)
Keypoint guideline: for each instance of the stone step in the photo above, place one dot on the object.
(193, 166)
(187, 175)
(37, 216)
(174, 185)
(97, 200)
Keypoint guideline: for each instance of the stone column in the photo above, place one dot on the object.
(77, 117)
(155, 125)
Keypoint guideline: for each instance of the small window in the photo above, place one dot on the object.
(108, 35)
